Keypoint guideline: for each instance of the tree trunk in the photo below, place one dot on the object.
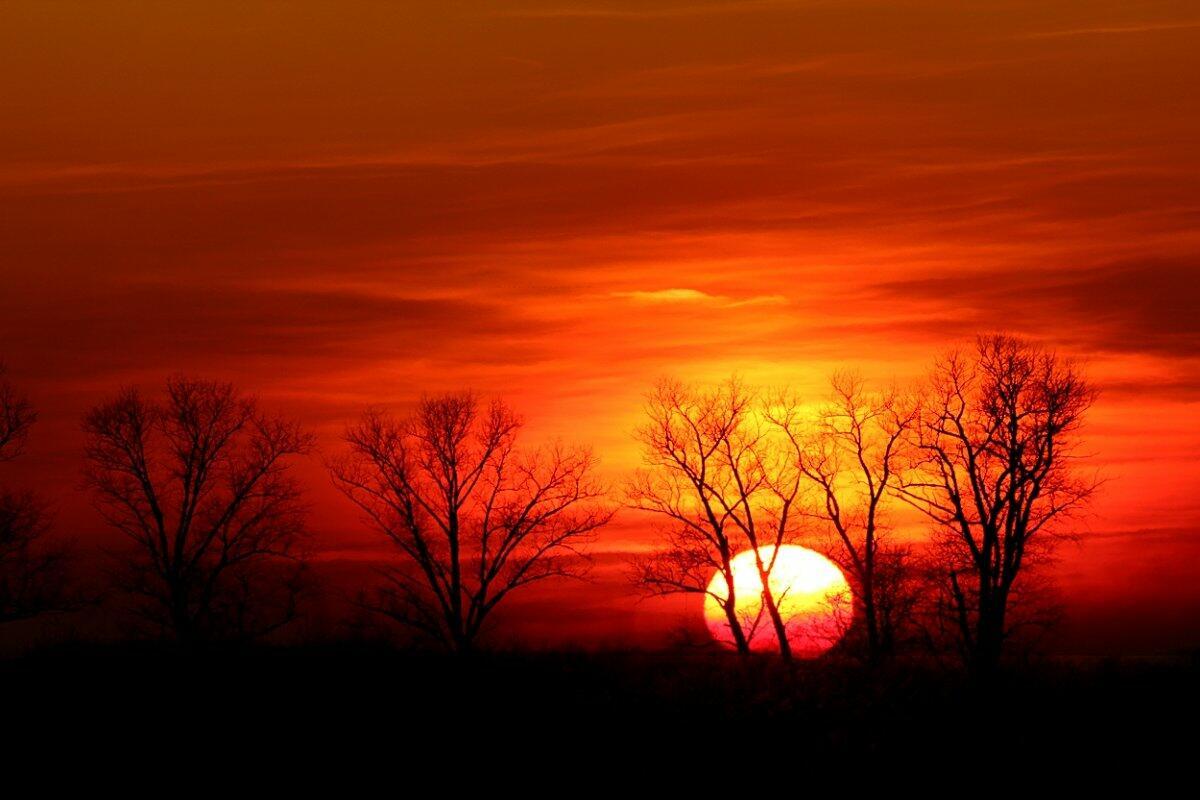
(182, 623)
(735, 625)
(871, 616)
(989, 637)
(463, 643)
(768, 598)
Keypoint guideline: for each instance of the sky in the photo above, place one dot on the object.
(352, 204)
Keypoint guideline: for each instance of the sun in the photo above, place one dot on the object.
(814, 600)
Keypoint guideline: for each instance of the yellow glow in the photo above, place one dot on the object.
(812, 594)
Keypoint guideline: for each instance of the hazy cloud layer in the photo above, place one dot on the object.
(1144, 306)
(338, 207)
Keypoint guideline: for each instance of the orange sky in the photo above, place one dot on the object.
(344, 204)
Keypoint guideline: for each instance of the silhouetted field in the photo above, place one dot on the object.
(376, 701)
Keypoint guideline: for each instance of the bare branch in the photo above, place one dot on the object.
(473, 518)
(199, 483)
(996, 473)
(719, 480)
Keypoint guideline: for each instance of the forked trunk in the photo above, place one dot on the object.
(740, 643)
(768, 598)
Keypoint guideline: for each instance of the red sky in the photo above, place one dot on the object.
(338, 205)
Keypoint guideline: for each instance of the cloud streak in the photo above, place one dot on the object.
(633, 13)
(659, 296)
(1143, 306)
(1118, 30)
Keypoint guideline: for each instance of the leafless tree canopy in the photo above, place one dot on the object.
(855, 458)
(474, 516)
(33, 577)
(33, 569)
(16, 418)
(723, 480)
(199, 483)
(998, 473)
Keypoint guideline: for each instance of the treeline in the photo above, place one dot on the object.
(199, 481)
(984, 449)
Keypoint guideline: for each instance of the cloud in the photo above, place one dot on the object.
(1182, 387)
(643, 13)
(1117, 30)
(128, 328)
(1139, 305)
(644, 140)
(666, 296)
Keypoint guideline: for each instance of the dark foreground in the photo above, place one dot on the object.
(369, 702)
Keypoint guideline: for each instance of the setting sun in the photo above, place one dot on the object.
(815, 601)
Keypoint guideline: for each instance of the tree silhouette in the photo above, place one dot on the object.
(855, 460)
(199, 483)
(33, 570)
(998, 446)
(474, 517)
(717, 474)
(16, 418)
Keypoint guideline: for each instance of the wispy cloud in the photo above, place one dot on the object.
(645, 141)
(1143, 306)
(1116, 30)
(637, 13)
(672, 296)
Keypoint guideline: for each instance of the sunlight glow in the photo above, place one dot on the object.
(813, 596)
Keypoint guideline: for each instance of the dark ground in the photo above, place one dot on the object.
(370, 703)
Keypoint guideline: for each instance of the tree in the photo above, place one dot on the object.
(998, 445)
(16, 418)
(33, 570)
(200, 483)
(474, 517)
(717, 476)
(856, 461)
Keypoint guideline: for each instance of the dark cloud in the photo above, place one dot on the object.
(1141, 306)
(172, 326)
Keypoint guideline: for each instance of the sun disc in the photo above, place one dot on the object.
(811, 592)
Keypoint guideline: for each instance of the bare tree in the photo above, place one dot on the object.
(855, 461)
(998, 445)
(717, 476)
(33, 569)
(16, 418)
(33, 575)
(199, 482)
(474, 517)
